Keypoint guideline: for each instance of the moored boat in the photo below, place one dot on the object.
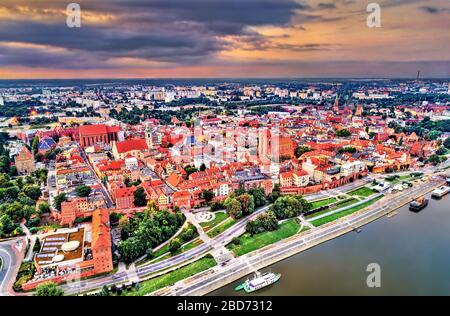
(258, 282)
(440, 192)
(418, 204)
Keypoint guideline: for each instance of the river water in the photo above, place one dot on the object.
(412, 249)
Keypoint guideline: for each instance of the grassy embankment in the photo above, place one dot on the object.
(248, 243)
(332, 217)
(171, 278)
(362, 192)
(222, 227)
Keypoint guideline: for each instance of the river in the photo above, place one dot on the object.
(412, 249)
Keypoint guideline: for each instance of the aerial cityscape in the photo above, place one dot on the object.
(234, 163)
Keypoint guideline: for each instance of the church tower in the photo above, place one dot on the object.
(336, 104)
(148, 136)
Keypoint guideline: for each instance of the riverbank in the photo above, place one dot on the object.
(411, 249)
(288, 247)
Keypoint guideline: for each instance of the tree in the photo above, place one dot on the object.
(235, 241)
(44, 208)
(33, 192)
(216, 206)
(436, 159)
(258, 196)
(58, 200)
(441, 151)
(262, 223)
(189, 233)
(41, 175)
(347, 149)
(12, 193)
(433, 135)
(233, 207)
(174, 245)
(300, 150)
(48, 289)
(152, 208)
(140, 198)
(447, 143)
(190, 170)
(289, 206)
(4, 180)
(83, 191)
(207, 195)
(343, 133)
(247, 203)
(6, 225)
(240, 190)
(276, 192)
(35, 145)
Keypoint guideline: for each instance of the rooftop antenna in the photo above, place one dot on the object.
(418, 76)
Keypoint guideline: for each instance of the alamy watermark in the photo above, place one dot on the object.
(374, 278)
(73, 11)
(374, 18)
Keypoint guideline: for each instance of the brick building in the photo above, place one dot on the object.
(25, 161)
(99, 133)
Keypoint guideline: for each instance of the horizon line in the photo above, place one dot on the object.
(233, 78)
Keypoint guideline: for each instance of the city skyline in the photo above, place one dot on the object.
(224, 39)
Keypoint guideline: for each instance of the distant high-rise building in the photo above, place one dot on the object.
(2, 102)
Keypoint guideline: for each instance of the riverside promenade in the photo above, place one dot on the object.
(241, 266)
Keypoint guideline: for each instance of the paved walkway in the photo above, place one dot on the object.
(32, 238)
(191, 218)
(305, 222)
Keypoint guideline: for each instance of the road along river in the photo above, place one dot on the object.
(412, 249)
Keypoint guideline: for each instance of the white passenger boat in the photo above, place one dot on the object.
(440, 192)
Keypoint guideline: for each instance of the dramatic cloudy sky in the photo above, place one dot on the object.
(224, 38)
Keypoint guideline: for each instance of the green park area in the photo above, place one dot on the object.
(248, 243)
(222, 227)
(406, 177)
(219, 217)
(362, 192)
(339, 204)
(320, 203)
(332, 217)
(25, 274)
(170, 278)
(165, 249)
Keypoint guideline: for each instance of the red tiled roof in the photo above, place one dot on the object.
(181, 194)
(125, 192)
(98, 129)
(300, 173)
(174, 180)
(100, 229)
(130, 145)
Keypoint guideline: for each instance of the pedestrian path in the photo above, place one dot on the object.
(305, 222)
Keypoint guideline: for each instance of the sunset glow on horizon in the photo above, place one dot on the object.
(224, 38)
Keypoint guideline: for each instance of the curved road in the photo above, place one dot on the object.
(11, 259)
